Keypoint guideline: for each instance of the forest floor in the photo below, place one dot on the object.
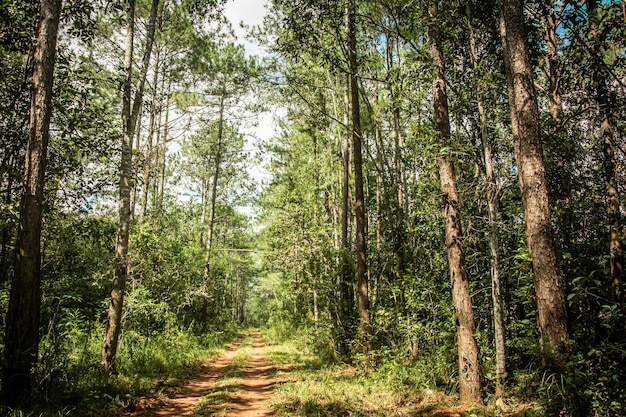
(253, 379)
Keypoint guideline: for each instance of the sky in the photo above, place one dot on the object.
(251, 13)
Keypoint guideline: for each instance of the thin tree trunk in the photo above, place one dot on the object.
(469, 372)
(149, 157)
(554, 70)
(22, 321)
(314, 263)
(133, 193)
(552, 316)
(563, 162)
(129, 118)
(379, 200)
(611, 158)
(8, 227)
(399, 181)
(345, 284)
(359, 197)
(211, 224)
(163, 155)
(316, 312)
(114, 316)
(492, 210)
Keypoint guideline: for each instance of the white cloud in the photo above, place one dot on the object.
(250, 13)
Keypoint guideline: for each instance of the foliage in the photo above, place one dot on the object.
(284, 269)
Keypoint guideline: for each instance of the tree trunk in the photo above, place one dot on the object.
(163, 155)
(149, 157)
(22, 320)
(611, 157)
(211, 224)
(359, 197)
(563, 161)
(345, 283)
(469, 372)
(492, 210)
(400, 230)
(552, 316)
(554, 71)
(9, 227)
(133, 191)
(129, 118)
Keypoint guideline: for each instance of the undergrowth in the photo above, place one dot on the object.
(70, 381)
(378, 384)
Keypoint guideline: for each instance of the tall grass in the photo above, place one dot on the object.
(385, 382)
(69, 380)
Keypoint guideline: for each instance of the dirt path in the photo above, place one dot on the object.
(248, 395)
(254, 394)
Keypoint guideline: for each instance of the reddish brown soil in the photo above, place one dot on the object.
(254, 393)
(250, 396)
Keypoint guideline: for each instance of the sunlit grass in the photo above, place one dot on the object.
(241, 357)
(72, 383)
(215, 403)
(307, 387)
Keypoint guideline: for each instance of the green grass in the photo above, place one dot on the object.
(308, 387)
(70, 381)
(241, 357)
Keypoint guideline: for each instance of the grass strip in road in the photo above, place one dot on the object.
(215, 402)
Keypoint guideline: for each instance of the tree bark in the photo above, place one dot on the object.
(469, 372)
(163, 154)
(129, 118)
(359, 197)
(133, 191)
(22, 320)
(563, 162)
(552, 316)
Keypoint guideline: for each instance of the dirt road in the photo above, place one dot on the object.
(224, 388)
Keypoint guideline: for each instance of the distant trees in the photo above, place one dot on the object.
(542, 138)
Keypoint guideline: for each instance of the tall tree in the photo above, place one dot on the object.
(550, 24)
(345, 278)
(211, 220)
(359, 196)
(22, 321)
(469, 370)
(130, 112)
(552, 315)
